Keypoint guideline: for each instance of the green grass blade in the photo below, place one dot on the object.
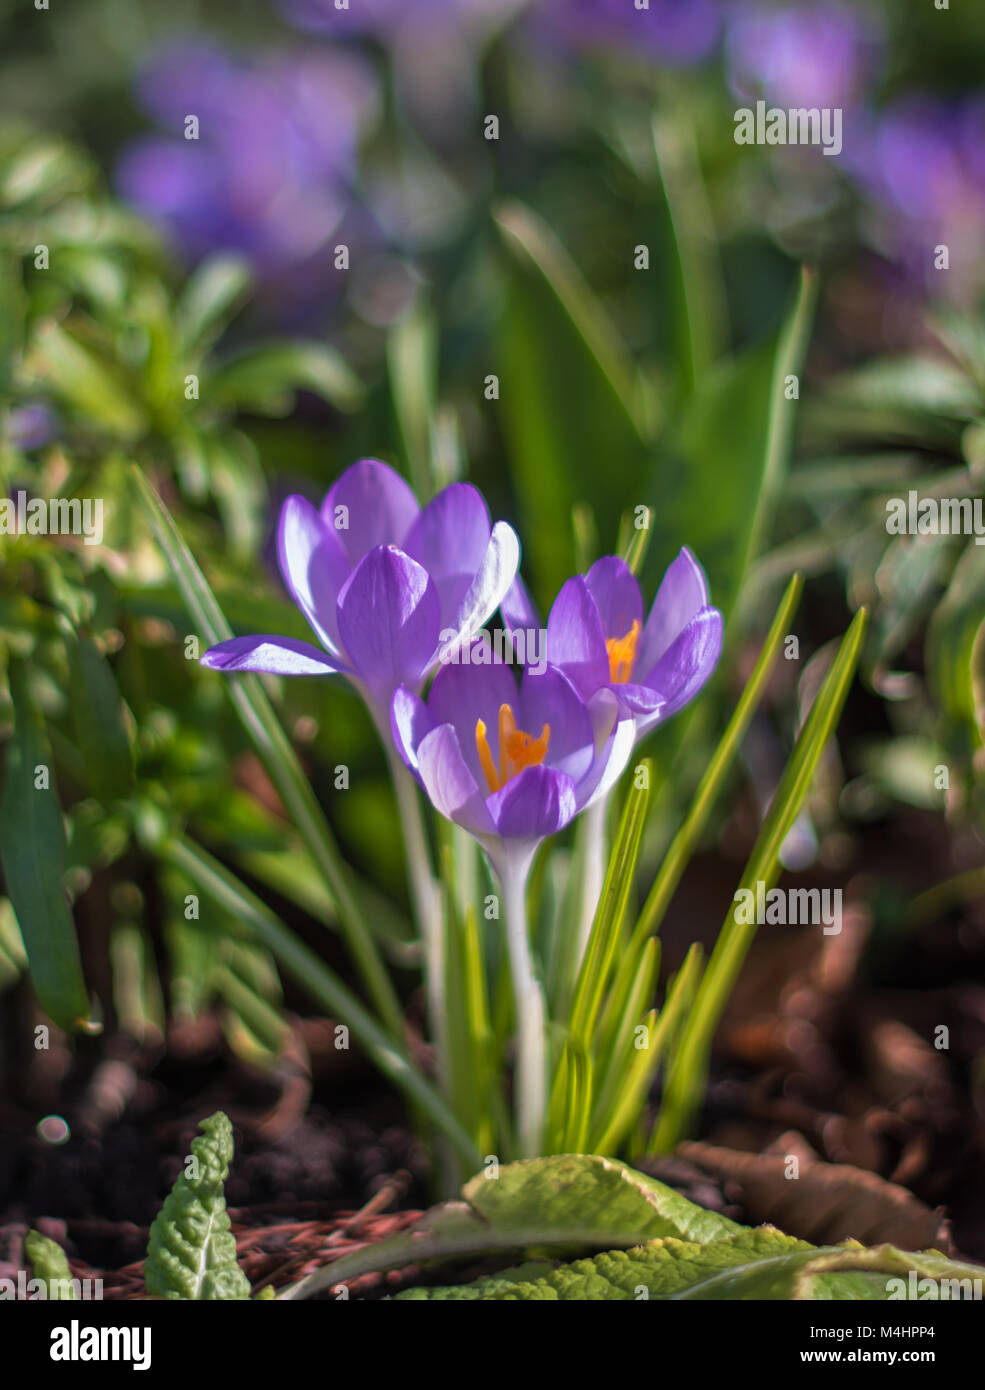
(32, 849)
(687, 1079)
(600, 952)
(682, 847)
(322, 984)
(629, 999)
(412, 367)
(261, 723)
(573, 1081)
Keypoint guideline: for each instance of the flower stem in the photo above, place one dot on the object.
(592, 873)
(530, 1076)
(426, 898)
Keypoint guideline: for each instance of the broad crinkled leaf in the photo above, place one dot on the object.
(48, 1262)
(761, 1264)
(566, 1202)
(191, 1253)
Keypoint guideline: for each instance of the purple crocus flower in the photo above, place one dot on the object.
(596, 635)
(389, 588)
(510, 766)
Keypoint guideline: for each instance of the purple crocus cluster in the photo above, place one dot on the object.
(270, 170)
(675, 33)
(395, 592)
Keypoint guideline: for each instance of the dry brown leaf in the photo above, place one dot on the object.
(827, 1202)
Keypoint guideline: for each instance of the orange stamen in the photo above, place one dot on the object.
(517, 749)
(622, 654)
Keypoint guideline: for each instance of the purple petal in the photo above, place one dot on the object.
(683, 592)
(314, 567)
(615, 738)
(461, 695)
(685, 666)
(450, 538)
(280, 656)
(368, 506)
(617, 595)
(388, 621)
(535, 803)
(487, 590)
(410, 722)
(549, 698)
(449, 784)
(517, 608)
(575, 639)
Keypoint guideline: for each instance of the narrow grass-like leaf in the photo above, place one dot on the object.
(682, 847)
(97, 714)
(311, 973)
(629, 999)
(261, 723)
(687, 1079)
(32, 848)
(411, 363)
(572, 1083)
(603, 941)
(622, 1099)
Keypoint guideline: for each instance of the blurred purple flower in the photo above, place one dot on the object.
(269, 174)
(31, 425)
(397, 21)
(921, 163)
(802, 54)
(675, 32)
(390, 589)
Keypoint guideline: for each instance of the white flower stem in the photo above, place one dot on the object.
(426, 898)
(530, 1073)
(592, 873)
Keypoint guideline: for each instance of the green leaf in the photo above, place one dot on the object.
(265, 379)
(721, 469)
(213, 292)
(48, 1262)
(191, 1253)
(569, 399)
(97, 713)
(75, 373)
(761, 1264)
(32, 848)
(569, 1201)
(412, 355)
